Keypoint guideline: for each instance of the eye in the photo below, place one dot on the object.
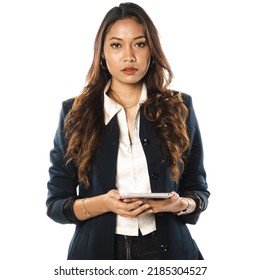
(140, 44)
(116, 45)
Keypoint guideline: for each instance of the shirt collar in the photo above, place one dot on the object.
(111, 107)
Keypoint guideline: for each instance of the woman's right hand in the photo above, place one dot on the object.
(113, 203)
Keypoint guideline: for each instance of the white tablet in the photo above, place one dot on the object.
(146, 195)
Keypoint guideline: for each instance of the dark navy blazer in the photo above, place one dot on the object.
(94, 238)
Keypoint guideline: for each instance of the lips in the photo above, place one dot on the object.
(129, 70)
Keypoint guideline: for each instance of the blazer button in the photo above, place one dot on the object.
(155, 176)
(164, 247)
(145, 142)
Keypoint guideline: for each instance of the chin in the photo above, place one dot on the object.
(132, 79)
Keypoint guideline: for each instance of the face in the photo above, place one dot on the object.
(126, 52)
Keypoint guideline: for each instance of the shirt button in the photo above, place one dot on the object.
(155, 176)
(164, 247)
(145, 142)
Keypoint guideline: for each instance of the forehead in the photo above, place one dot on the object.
(125, 28)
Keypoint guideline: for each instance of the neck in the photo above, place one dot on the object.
(127, 96)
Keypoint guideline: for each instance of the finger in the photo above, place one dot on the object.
(114, 194)
(133, 205)
(132, 210)
(129, 200)
(127, 209)
(149, 211)
(141, 209)
(175, 196)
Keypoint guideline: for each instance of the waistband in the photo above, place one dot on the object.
(149, 235)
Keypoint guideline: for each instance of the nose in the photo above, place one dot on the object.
(130, 59)
(129, 55)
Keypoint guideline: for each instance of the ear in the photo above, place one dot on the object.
(103, 56)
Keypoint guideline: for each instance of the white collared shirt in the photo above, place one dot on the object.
(132, 171)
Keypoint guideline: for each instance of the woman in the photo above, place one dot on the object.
(128, 133)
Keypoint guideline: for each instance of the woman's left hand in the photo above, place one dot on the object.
(172, 204)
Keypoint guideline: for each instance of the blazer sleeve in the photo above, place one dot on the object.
(193, 179)
(62, 184)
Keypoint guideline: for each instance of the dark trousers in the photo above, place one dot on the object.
(142, 247)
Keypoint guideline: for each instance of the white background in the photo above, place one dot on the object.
(46, 50)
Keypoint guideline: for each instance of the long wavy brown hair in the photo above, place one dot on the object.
(84, 124)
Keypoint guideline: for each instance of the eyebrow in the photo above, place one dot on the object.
(136, 38)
